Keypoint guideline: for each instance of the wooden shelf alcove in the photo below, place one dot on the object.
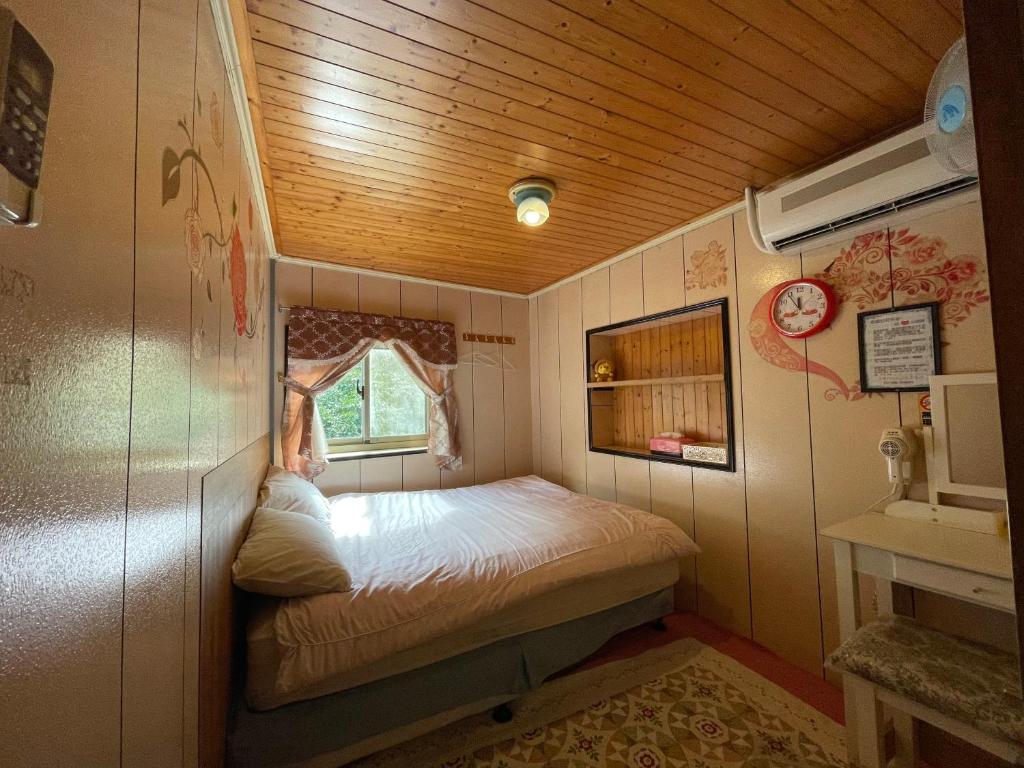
(672, 374)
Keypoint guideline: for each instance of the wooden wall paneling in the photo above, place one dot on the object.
(535, 443)
(626, 291)
(849, 473)
(209, 377)
(663, 277)
(228, 499)
(234, 345)
(380, 295)
(157, 524)
(719, 498)
(572, 387)
(550, 387)
(595, 308)
(455, 306)
(777, 456)
(333, 289)
(488, 391)
(672, 498)
(293, 286)
(516, 387)
(419, 472)
(633, 482)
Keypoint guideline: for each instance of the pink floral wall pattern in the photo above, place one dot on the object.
(707, 268)
(223, 240)
(907, 266)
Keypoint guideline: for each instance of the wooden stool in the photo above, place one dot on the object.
(961, 687)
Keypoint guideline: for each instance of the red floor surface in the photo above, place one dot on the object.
(811, 689)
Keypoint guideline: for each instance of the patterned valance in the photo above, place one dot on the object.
(326, 335)
(324, 344)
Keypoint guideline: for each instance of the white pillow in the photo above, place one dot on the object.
(288, 492)
(289, 554)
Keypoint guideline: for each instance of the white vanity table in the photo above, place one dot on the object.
(961, 564)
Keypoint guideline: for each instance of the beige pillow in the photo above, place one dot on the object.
(288, 492)
(289, 554)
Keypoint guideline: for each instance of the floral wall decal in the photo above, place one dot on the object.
(707, 268)
(902, 264)
(202, 244)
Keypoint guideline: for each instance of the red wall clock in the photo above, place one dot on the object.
(802, 308)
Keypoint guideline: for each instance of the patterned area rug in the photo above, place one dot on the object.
(684, 705)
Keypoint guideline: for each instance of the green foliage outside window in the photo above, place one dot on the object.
(397, 404)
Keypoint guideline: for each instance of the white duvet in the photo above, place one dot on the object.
(428, 563)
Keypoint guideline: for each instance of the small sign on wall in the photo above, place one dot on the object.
(899, 348)
(484, 338)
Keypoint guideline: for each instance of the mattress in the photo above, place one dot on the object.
(437, 573)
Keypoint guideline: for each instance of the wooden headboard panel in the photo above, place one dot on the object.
(229, 498)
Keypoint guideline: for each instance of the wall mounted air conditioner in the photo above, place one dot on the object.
(843, 198)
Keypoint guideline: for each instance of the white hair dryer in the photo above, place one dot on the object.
(897, 446)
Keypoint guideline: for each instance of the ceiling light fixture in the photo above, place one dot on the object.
(531, 198)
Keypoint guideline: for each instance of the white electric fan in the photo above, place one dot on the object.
(948, 116)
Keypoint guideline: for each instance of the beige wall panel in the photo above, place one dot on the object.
(379, 295)
(777, 457)
(672, 498)
(663, 277)
(157, 527)
(849, 474)
(419, 472)
(572, 388)
(67, 341)
(340, 477)
(720, 497)
(550, 387)
(333, 289)
(535, 387)
(595, 299)
(633, 482)
(293, 286)
(601, 475)
(455, 306)
(383, 473)
(488, 392)
(515, 321)
(626, 289)
(596, 313)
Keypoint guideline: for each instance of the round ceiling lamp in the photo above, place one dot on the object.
(531, 198)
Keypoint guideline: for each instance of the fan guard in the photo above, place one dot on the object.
(948, 116)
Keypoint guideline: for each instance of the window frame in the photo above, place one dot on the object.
(386, 444)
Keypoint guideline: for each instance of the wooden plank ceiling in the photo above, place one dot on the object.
(391, 131)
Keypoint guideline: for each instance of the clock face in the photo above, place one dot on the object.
(802, 308)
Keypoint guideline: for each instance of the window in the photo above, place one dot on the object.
(375, 407)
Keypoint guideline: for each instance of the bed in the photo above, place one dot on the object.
(462, 599)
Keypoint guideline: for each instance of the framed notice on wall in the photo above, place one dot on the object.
(899, 348)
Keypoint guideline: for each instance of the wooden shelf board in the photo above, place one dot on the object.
(703, 379)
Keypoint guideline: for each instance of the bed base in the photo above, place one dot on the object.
(332, 730)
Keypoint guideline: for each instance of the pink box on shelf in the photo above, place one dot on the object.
(670, 445)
